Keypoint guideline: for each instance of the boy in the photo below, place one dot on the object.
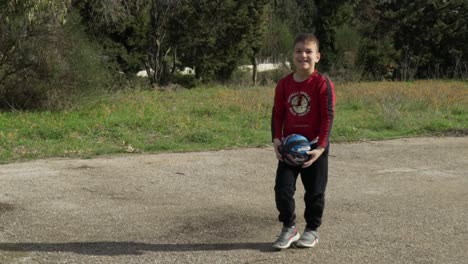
(304, 104)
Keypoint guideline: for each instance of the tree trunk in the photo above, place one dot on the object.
(174, 58)
(158, 49)
(254, 69)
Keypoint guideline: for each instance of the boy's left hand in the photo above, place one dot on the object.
(314, 154)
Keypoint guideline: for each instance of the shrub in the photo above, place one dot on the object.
(185, 80)
(53, 66)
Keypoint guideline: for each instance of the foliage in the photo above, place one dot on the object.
(257, 14)
(330, 17)
(288, 18)
(277, 44)
(121, 28)
(415, 39)
(45, 62)
(208, 36)
(345, 66)
(134, 33)
(441, 26)
(157, 47)
(42, 57)
(30, 11)
(26, 29)
(284, 20)
(213, 36)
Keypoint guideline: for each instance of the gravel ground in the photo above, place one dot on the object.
(396, 201)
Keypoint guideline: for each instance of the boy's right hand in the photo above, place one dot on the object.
(276, 145)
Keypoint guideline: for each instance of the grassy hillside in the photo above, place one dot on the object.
(218, 117)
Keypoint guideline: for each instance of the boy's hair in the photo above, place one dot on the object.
(306, 37)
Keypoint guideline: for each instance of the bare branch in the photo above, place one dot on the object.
(10, 48)
(14, 71)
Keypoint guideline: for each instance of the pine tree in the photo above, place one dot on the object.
(213, 36)
(425, 39)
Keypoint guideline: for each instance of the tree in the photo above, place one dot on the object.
(25, 28)
(326, 24)
(307, 16)
(277, 40)
(292, 17)
(211, 36)
(442, 28)
(257, 23)
(289, 13)
(121, 27)
(157, 47)
(134, 33)
(282, 23)
(418, 39)
(19, 23)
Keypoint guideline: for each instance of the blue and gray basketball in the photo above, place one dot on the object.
(294, 150)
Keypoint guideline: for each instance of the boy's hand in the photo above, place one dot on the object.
(276, 145)
(314, 154)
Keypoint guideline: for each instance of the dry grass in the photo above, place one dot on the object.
(402, 108)
(433, 94)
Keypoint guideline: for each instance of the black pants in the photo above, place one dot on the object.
(314, 179)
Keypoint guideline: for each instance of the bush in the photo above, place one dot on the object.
(344, 68)
(185, 80)
(54, 65)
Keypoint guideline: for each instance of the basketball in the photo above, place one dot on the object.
(294, 150)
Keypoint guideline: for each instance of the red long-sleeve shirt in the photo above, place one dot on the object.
(306, 108)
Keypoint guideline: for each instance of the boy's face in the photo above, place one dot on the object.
(305, 56)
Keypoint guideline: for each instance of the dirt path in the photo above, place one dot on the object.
(397, 201)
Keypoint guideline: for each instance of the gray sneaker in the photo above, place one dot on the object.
(308, 239)
(288, 236)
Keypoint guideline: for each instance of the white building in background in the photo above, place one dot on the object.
(262, 67)
(187, 71)
(143, 73)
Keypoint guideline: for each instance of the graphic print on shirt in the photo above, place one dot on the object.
(300, 103)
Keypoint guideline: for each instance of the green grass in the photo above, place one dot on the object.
(209, 118)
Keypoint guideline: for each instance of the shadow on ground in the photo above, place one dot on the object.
(129, 248)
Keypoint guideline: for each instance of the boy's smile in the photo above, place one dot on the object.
(305, 57)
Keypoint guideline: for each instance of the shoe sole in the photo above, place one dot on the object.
(305, 245)
(292, 240)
